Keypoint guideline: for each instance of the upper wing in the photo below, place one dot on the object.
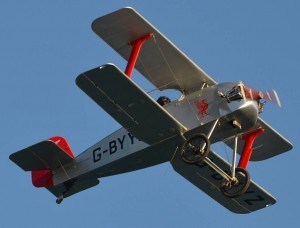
(267, 145)
(127, 103)
(209, 181)
(160, 61)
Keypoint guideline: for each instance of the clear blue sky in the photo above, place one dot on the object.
(44, 45)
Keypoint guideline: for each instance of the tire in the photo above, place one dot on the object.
(236, 188)
(195, 149)
(59, 199)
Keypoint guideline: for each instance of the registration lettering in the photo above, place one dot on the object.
(251, 197)
(113, 146)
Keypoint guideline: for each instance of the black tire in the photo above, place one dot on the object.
(60, 199)
(233, 189)
(195, 149)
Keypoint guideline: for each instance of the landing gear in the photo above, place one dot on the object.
(236, 186)
(67, 185)
(59, 199)
(195, 149)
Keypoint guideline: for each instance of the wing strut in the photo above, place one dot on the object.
(247, 151)
(136, 47)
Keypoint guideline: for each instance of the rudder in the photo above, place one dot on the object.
(44, 178)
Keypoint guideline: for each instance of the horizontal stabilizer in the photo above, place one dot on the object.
(46, 155)
(209, 181)
(128, 104)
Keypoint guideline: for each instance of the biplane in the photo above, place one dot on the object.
(180, 131)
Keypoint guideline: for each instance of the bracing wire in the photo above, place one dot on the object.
(174, 76)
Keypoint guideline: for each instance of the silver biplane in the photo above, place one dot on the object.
(179, 132)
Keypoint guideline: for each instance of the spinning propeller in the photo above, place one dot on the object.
(242, 91)
(257, 95)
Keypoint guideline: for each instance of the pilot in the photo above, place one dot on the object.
(162, 100)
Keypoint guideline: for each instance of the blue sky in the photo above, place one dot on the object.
(45, 45)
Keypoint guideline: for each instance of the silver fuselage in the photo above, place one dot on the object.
(122, 152)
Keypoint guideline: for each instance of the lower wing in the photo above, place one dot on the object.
(128, 104)
(209, 181)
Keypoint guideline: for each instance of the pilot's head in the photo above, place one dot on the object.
(163, 100)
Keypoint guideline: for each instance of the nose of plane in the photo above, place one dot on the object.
(253, 94)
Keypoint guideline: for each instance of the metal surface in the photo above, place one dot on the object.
(213, 128)
(264, 146)
(118, 153)
(209, 181)
(234, 157)
(160, 61)
(215, 167)
(41, 156)
(125, 101)
(199, 119)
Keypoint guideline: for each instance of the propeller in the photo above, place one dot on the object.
(271, 96)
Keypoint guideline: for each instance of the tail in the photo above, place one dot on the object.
(44, 178)
(45, 157)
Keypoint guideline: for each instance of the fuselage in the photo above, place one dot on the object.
(122, 152)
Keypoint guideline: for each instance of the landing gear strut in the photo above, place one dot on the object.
(196, 148)
(68, 185)
(239, 181)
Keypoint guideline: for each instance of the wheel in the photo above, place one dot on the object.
(195, 149)
(59, 199)
(238, 186)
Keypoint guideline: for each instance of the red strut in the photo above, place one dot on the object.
(136, 47)
(247, 151)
